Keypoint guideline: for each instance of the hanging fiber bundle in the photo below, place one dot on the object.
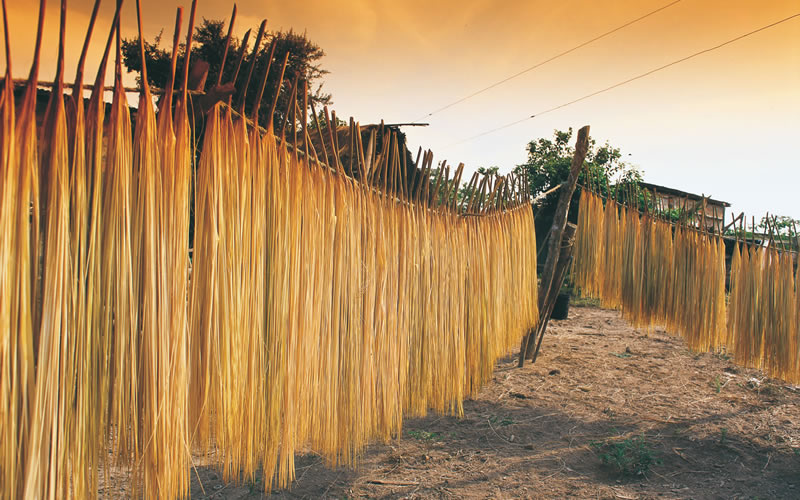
(588, 269)
(52, 411)
(312, 305)
(659, 275)
(18, 147)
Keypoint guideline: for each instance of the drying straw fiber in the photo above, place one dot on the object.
(16, 342)
(321, 298)
(52, 415)
(588, 267)
(315, 305)
(661, 274)
(763, 311)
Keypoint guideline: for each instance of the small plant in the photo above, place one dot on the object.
(505, 421)
(724, 356)
(723, 435)
(577, 301)
(253, 485)
(629, 457)
(425, 435)
(716, 383)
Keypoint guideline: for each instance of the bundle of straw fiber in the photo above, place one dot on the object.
(52, 411)
(610, 261)
(369, 301)
(780, 330)
(119, 300)
(763, 311)
(660, 268)
(324, 300)
(87, 350)
(18, 158)
(674, 276)
(588, 268)
(632, 275)
(659, 275)
(697, 309)
(175, 162)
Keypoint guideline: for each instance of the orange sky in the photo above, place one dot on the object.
(722, 124)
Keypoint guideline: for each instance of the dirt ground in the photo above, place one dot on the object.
(710, 428)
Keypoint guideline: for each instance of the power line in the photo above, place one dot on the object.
(542, 63)
(629, 80)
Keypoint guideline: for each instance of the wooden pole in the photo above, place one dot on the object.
(564, 259)
(556, 234)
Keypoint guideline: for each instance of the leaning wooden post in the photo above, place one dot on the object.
(555, 235)
(564, 259)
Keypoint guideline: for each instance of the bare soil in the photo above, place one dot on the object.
(713, 429)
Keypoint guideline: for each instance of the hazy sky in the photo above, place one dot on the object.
(726, 124)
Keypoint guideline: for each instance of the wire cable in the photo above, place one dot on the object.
(542, 63)
(629, 80)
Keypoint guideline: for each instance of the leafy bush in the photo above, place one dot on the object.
(629, 457)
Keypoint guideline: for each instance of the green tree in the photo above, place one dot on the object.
(781, 224)
(604, 170)
(209, 46)
(549, 161)
(782, 228)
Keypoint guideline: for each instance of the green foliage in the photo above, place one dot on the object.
(464, 191)
(628, 190)
(488, 170)
(674, 214)
(548, 166)
(549, 162)
(782, 229)
(209, 46)
(629, 457)
(425, 435)
(158, 60)
(323, 122)
(580, 301)
(501, 421)
(253, 485)
(716, 383)
(782, 224)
